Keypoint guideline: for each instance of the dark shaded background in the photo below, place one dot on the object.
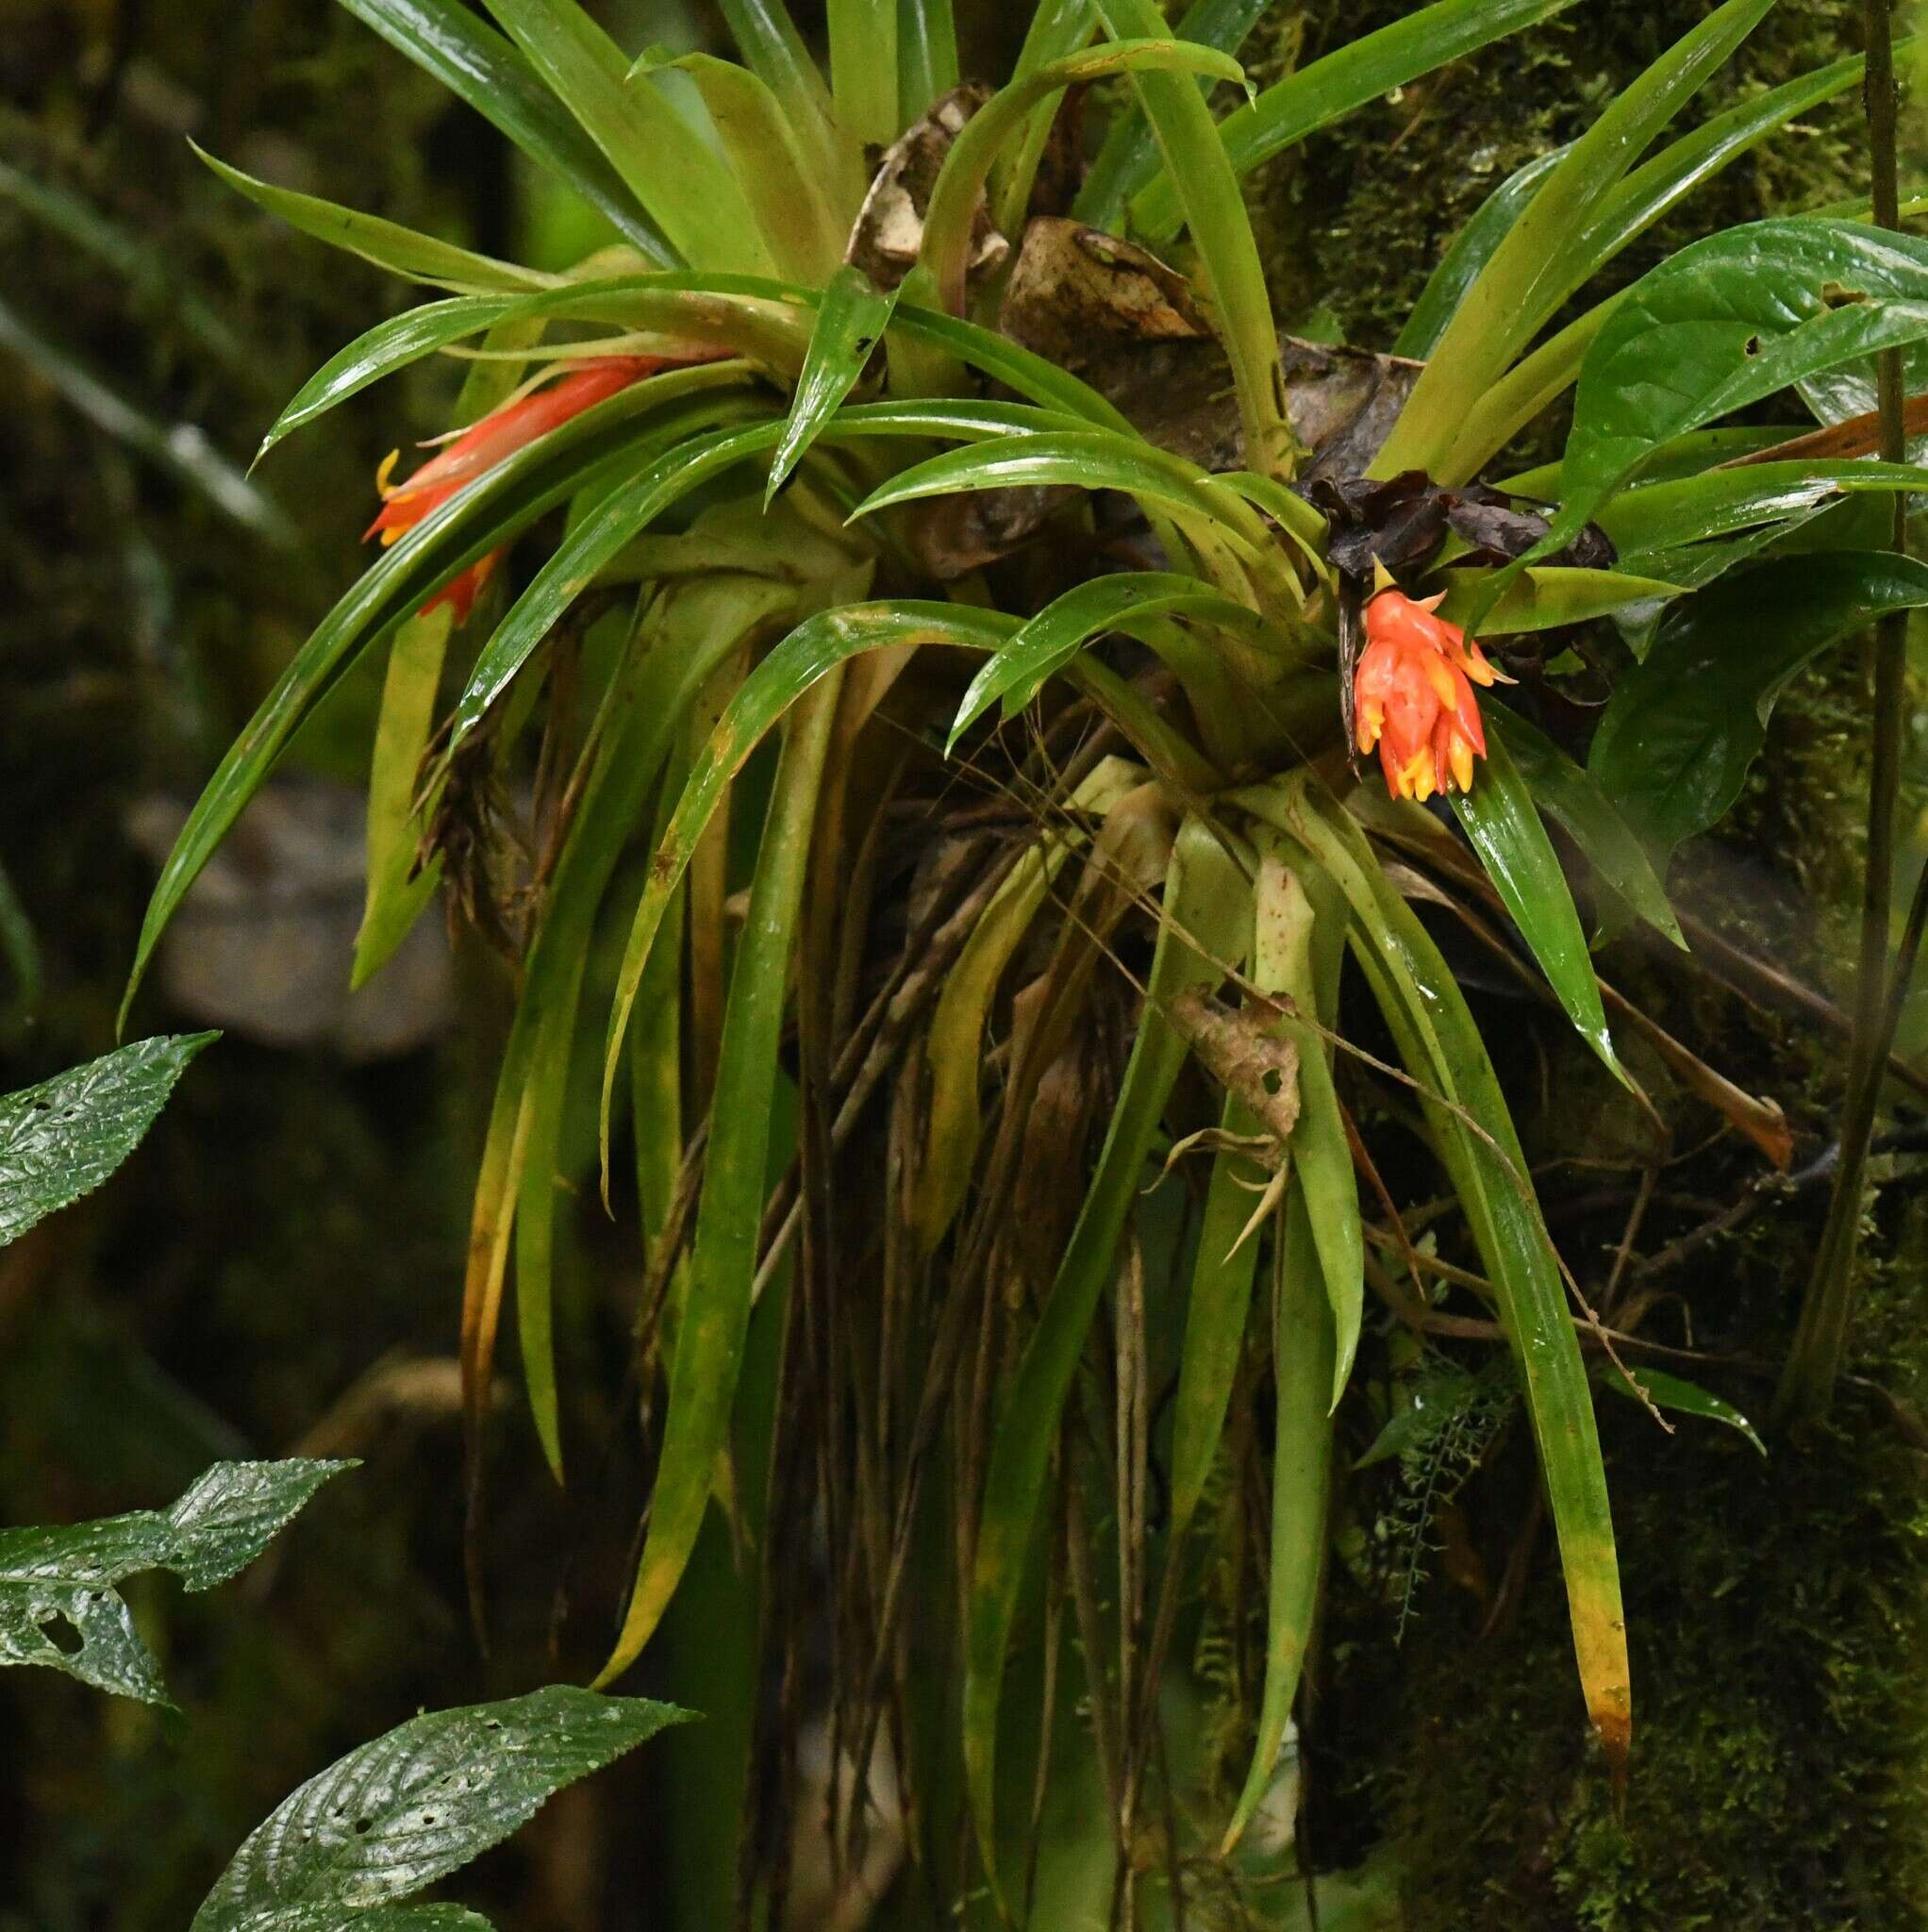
(279, 1267)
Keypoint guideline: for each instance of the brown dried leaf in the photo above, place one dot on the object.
(1245, 1060)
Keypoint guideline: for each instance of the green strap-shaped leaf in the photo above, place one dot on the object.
(783, 177)
(1205, 928)
(1129, 156)
(683, 184)
(1546, 597)
(51, 1578)
(1440, 1043)
(1655, 518)
(926, 55)
(420, 1803)
(1049, 641)
(62, 1139)
(1527, 277)
(851, 321)
(1588, 816)
(679, 645)
(1303, 1371)
(476, 520)
(1332, 86)
(715, 1315)
(1468, 255)
(863, 68)
(397, 890)
(475, 63)
(387, 244)
(1674, 746)
(1207, 191)
(654, 486)
(1499, 818)
(1644, 1385)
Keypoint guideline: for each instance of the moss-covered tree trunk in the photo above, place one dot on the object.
(1775, 1607)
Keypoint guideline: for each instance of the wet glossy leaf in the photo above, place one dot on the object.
(62, 1139)
(1674, 746)
(851, 321)
(58, 1605)
(476, 64)
(1725, 323)
(1588, 815)
(1504, 828)
(1688, 1398)
(1065, 625)
(422, 1801)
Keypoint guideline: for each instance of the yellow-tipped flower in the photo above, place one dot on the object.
(1412, 696)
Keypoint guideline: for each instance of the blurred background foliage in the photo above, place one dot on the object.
(279, 1268)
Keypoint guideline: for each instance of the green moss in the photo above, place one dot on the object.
(1354, 219)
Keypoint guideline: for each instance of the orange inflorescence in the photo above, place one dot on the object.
(492, 441)
(1413, 696)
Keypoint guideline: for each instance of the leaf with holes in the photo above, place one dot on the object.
(62, 1139)
(58, 1605)
(418, 1804)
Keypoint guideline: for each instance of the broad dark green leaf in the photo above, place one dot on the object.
(1725, 323)
(1674, 746)
(420, 1803)
(1505, 829)
(59, 1583)
(851, 321)
(1589, 817)
(477, 63)
(62, 1139)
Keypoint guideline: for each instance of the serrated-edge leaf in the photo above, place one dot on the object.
(422, 1801)
(61, 1139)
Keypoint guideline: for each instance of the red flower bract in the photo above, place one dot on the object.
(1413, 698)
(494, 440)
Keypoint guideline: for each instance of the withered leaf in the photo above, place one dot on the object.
(890, 226)
(1258, 1067)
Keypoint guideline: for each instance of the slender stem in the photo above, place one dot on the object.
(1814, 1362)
